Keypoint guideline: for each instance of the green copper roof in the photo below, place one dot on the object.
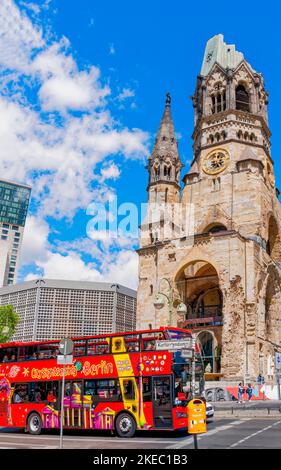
(224, 54)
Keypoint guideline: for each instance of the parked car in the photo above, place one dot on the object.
(209, 410)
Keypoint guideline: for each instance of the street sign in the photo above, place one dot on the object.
(174, 345)
(66, 346)
(278, 361)
(64, 360)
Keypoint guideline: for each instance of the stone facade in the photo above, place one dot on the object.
(228, 271)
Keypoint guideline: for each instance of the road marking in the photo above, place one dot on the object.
(93, 439)
(189, 440)
(254, 434)
(35, 446)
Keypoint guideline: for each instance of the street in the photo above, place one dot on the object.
(223, 433)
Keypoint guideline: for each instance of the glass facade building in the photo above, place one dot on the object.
(14, 201)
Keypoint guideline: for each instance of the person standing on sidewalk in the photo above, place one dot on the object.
(240, 393)
(249, 391)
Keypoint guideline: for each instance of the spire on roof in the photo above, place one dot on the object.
(164, 164)
(166, 142)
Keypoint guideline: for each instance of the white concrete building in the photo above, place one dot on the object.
(53, 309)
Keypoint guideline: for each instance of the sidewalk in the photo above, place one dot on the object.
(259, 408)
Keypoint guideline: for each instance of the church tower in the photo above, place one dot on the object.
(229, 274)
(164, 164)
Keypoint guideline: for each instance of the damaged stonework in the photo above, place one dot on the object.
(233, 336)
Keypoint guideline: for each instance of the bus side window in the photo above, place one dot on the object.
(20, 394)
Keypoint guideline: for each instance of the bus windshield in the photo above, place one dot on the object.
(182, 369)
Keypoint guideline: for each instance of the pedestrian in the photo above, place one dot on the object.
(249, 391)
(240, 393)
(260, 379)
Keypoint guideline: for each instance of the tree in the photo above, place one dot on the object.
(8, 322)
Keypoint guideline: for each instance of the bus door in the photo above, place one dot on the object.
(73, 404)
(162, 402)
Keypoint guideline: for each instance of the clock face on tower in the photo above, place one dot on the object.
(216, 161)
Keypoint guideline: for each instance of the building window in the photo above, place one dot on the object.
(218, 102)
(216, 184)
(4, 237)
(242, 99)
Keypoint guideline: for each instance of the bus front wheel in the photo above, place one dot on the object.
(34, 424)
(125, 425)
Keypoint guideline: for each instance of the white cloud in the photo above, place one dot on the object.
(59, 161)
(111, 49)
(31, 6)
(18, 38)
(35, 240)
(111, 171)
(63, 85)
(123, 270)
(56, 151)
(125, 94)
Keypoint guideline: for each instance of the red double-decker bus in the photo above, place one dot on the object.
(121, 381)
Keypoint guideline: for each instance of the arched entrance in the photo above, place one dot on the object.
(198, 287)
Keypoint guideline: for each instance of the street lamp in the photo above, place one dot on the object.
(160, 299)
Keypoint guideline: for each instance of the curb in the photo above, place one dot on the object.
(269, 412)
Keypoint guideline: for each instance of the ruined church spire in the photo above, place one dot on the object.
(164, 164)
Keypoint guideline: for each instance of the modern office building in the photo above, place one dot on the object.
(53, 309)
(14, 201)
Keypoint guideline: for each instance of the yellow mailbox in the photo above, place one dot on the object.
(196, 416)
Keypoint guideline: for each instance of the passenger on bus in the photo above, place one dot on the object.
(150, 346)
(51, 397)
(5, 358)
(18, 396)
(33, 357)
(179, 388)
(13, 358)
(37, 395)
(41, 355)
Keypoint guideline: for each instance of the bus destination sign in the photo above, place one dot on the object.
(174, 345)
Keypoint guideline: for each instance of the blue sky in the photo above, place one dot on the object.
(82, 93)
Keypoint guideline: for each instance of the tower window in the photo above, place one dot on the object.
(239, 134)
(218, 102)
(242, 99)
(216, 184)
